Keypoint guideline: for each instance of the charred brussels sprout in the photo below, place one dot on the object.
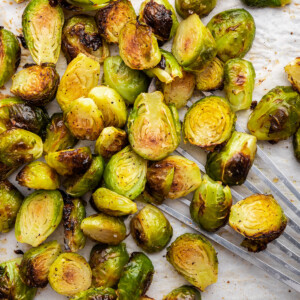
(193, 44)
(260, 219)
(70, 274)
(136, 277)
(107, 263)
(125, 173)
(96, 293)
(42, 28)
(232, 164)
(211, 204)
(36, 262)
(200, 7)
(195, 259)
(266, 3)
(293, 72)
(184, 292)
(209, 123)
(39, 215)
(296, 144)
(276, 117)
(234, 32)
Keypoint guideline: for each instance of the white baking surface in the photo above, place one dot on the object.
(277, 42)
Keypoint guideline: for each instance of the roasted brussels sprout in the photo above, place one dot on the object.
(36, 262)
(83, 5)
(125, 173)
(150, 229)
(277, 115)
(232, 164)
(104, 229)
(266, 3)
(153, 127)
(42, 29)
(96, 293)
(185, 292)
(80, 35)
(296, 144)
(195, 259)
(10, 55)
(193, 44)
(113, 17)
(211, 204)
(138, 46)
(209, 123)
(293, 72)
(107, 263)
(136, 277)
(70, 274)
(39, 215)
(81, 75)
(70, 162)
(200, 7)
(127, 82)
(260, 219)
(234, 32)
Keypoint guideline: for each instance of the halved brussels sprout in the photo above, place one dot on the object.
(138, 46)
(296, 144)
(107, 263)
(42, 29)
(127, 82)
(70, 274)
(10, 55)
(234, 32)
(211, 204)
(104, 229)
(81, 75)
(136, 278)
(11, 200)
(39, 215)
(209, 123)
(125, 173)
(266, 3)
(96, 293)
(277, 115)
(153, 127)
(111, 105)
(112, 203)
(202, 8)
(193, 44)
(82, 6)
(232, 164)
(80, 35)
(36, 262)
(195, 258)
(186, 292)
(293, 72)
(150, 229)
(113, 17)
(70, 162)
(260, 219)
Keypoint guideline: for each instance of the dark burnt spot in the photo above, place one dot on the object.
(253, 105)
(19, 252)
(28, 65)
(240, 79)
(147, 282)
(254, 246)
(53, 3)
(66, 5)
(102, 16)
(162, 64)
(201, 205)
(22, 40)
(278, 121)
(219, 147)
(232, 28)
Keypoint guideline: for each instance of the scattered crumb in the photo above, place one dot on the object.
(275, 180)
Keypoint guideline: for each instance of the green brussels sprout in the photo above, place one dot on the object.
(209, 123)
(113, 204)
(70, 274)
(211, 204)
(150, 229)
(38, 217)
(104, 229)
(113, 17)
(36, 262)
(138, 46)
(232, 164)
(234, 32)
(153, 127)
(185, 292)
(266, 3)
(107, 263)
(96, 293)
(161, 17)
(202, 8)
(136, 278)
(11, 200)
(277, 115)
(111, 104)
(11, 285)
(73, 214)
(193, 45)
(70, 162)
(195, 258)
(10, 55)
(260, 219)
(80, 35)
(125, 173)
(296, 144)
(127, 82)
(293, 72)
(83, 5)
(81, 75)
(42, 29)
